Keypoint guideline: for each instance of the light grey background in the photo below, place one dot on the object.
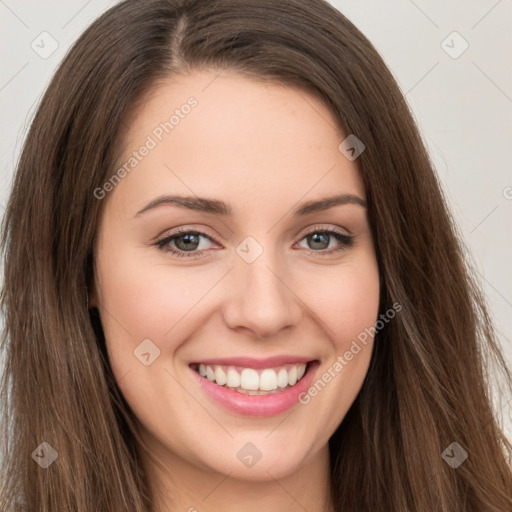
(463, 105)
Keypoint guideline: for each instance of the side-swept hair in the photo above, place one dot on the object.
(428, 384)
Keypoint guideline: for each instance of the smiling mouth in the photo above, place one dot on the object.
(253, 381)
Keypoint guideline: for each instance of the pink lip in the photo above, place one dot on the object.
(257, 405)
(250, 362)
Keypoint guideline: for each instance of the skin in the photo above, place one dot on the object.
(264, 149)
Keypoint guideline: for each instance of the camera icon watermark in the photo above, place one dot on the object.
(454, 455)
(45, 455)
(45, 45)
(249, 249)
(454, 45)
(351, 147)
(146, 352)
(249, 455)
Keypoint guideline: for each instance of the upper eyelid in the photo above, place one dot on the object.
(313, 228)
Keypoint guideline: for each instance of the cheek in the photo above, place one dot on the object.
(345, 298)
(347, 302)
(141, 299)
(358, 302)
(144, 298)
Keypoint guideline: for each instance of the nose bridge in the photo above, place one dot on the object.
(262, 301)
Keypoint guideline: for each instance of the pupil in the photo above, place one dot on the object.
(191, 240)
(319, 238)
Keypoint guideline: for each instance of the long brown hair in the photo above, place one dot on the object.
(428, 384)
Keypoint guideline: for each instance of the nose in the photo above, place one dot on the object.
(261, 298)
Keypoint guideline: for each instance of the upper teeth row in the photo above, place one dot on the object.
(250, 379)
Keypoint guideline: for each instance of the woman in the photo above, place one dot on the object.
(232, 281)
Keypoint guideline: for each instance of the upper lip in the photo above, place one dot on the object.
(251, 362)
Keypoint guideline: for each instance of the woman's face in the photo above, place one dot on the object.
(242, 272)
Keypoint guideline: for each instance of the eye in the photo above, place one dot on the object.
(183, 241)
(321, 242)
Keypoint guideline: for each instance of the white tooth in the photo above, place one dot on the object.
(292, 375)
(233, 379)
(282, 378)
(220, 376)
(268, 380)
(209, 373)
(249, 379)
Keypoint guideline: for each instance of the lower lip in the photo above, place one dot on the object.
(258, 405)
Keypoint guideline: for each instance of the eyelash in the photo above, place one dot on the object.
(346, 241)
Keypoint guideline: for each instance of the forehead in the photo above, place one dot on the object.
(221, 135)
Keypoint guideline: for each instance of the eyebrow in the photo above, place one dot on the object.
(217, 207)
